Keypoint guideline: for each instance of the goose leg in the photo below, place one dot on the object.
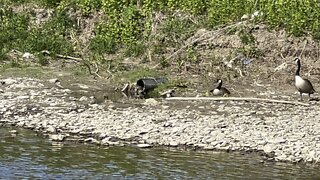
(301, 96)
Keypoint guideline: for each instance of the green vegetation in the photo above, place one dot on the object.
(147, 29)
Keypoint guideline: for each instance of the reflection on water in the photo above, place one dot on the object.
(27, 155)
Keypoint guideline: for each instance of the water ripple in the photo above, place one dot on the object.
(27, 155)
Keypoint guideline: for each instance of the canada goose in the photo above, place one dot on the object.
(220, 91)
(303, 85)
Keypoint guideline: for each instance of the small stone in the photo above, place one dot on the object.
(54, 80)
(117, 143)
(167, 124)
(215, 143)
(83, 98)
(10, 81)
(200, 145)
(80, 110)
(144, 145)
(91, 140)
(268, 148)
(83, 86)
(105, 141)
(21, 124)
(51, 129)
(280, 140)
(23, 97)
(262, 142)
(57, 137)
(208, 147)
(189, 143)
(13, 131)
(224, 144)
(281, 157)
(165, 107)
(102, 135)
(224, 147)
(173, 144)
(72, 98)
(151, 102)
(27, 55)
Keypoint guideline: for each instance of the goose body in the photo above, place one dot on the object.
(219, 90)
(303, 85)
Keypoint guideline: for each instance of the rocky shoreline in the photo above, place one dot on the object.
(281, 132)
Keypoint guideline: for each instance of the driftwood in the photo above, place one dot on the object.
(237, 99)
(75, 59)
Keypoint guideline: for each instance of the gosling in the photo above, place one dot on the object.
(219, 90)
(303, 85)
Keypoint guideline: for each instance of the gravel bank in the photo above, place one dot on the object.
(281, 132)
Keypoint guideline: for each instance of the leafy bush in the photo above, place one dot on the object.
(103, 44)
(128, 23)
(17, 33)
(13, 29)
(87, 6)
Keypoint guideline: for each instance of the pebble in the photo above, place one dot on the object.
(91, 140)
(53, 81)
(173, 144)
(144, 145)
(57, 137)
(151, 102)
(83, 98)
(208, 147)
(268, 148)
(13, 131)
(51, 129)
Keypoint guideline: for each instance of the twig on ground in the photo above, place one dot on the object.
(63, 56)
(304, 47)
(69, 57)
(236, 99)
(149, 55)
(97, 70)
(108, 70)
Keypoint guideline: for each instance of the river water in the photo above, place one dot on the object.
(26, 154)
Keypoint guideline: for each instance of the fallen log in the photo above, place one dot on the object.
(236, 99)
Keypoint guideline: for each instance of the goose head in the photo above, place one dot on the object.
(297, 61)
(219, 82)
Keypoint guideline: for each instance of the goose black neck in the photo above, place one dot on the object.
(219, 85)
(298, 70)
